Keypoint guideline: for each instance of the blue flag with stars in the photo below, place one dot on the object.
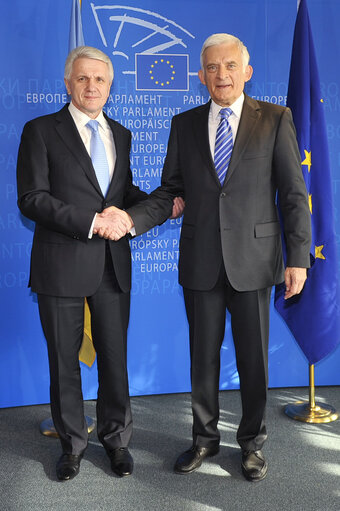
(162, 72)
(313, 316)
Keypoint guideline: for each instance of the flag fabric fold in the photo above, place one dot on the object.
(87, 353)
(76, 37)
(313, 317)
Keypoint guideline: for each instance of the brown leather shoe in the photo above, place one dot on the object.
(121, 461)
(192, 459)
(254, 466)
(68, 466)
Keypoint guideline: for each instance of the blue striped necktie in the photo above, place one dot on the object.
(223, 145)
(98, 157)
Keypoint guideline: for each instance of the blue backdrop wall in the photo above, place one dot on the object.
(34, 42)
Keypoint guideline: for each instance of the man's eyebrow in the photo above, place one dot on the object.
(213, 63)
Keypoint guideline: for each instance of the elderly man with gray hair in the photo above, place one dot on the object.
(230, 159)
(75, 183)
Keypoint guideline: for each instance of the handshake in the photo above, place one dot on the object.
(114, 223)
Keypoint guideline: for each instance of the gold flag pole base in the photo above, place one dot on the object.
(47, 427)
(320, 413)
(311, 412)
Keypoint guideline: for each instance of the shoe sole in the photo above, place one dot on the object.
(122, 475)
(255, 479)
(67, 478)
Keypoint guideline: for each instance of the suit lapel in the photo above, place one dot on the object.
(250, 115)
(201, 131)
(119, 143)
(68, 132)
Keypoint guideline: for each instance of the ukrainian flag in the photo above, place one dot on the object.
(87, 353)
(76, 37)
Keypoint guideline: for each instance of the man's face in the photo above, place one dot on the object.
(223, 73)
(89, 85)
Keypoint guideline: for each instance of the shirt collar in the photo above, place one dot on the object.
(82, 119)
(236, 107)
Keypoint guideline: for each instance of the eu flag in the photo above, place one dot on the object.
(313, 316)
(162, 72)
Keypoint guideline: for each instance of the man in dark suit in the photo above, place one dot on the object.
(74, 254)
(230, 246)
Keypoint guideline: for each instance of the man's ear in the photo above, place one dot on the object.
(249, 73)
(201, 76)
(67, 86)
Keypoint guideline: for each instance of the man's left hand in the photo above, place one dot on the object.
(294, 280)
(177, 207)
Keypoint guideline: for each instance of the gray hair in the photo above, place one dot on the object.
(216, 39)
(87, 52)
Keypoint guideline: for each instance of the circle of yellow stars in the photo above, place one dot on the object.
(171, 69)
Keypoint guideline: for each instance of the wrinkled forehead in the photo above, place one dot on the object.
(86, 64)
(223, 51)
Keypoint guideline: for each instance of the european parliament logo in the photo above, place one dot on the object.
(162, 72)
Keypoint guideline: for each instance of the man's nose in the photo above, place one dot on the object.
(222, 72)
(91, 83)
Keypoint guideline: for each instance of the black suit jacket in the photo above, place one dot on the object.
(58, 189)
(238, 223)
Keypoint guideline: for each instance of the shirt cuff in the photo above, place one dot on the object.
(91, 228)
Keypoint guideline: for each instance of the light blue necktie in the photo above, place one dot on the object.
(98, 157)
(223, 145)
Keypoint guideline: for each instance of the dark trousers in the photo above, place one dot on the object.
(62, 320)
(206, 311)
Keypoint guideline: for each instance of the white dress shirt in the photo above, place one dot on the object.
(214, 120)
(80, 120)
(105, 132)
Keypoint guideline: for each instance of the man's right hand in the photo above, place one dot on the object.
(112, 224)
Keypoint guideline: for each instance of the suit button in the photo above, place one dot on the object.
(223, 194)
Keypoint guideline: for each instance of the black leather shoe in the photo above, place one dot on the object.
(121, 461)
(68, 466)
(254, 466)
(192, 459)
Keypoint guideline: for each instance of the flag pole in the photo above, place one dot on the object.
(311, 411)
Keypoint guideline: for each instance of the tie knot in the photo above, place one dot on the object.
(93, 125)
(225, 112)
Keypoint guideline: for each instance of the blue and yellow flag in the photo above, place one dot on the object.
(313, 316)
(87, 353)
(76, 37)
